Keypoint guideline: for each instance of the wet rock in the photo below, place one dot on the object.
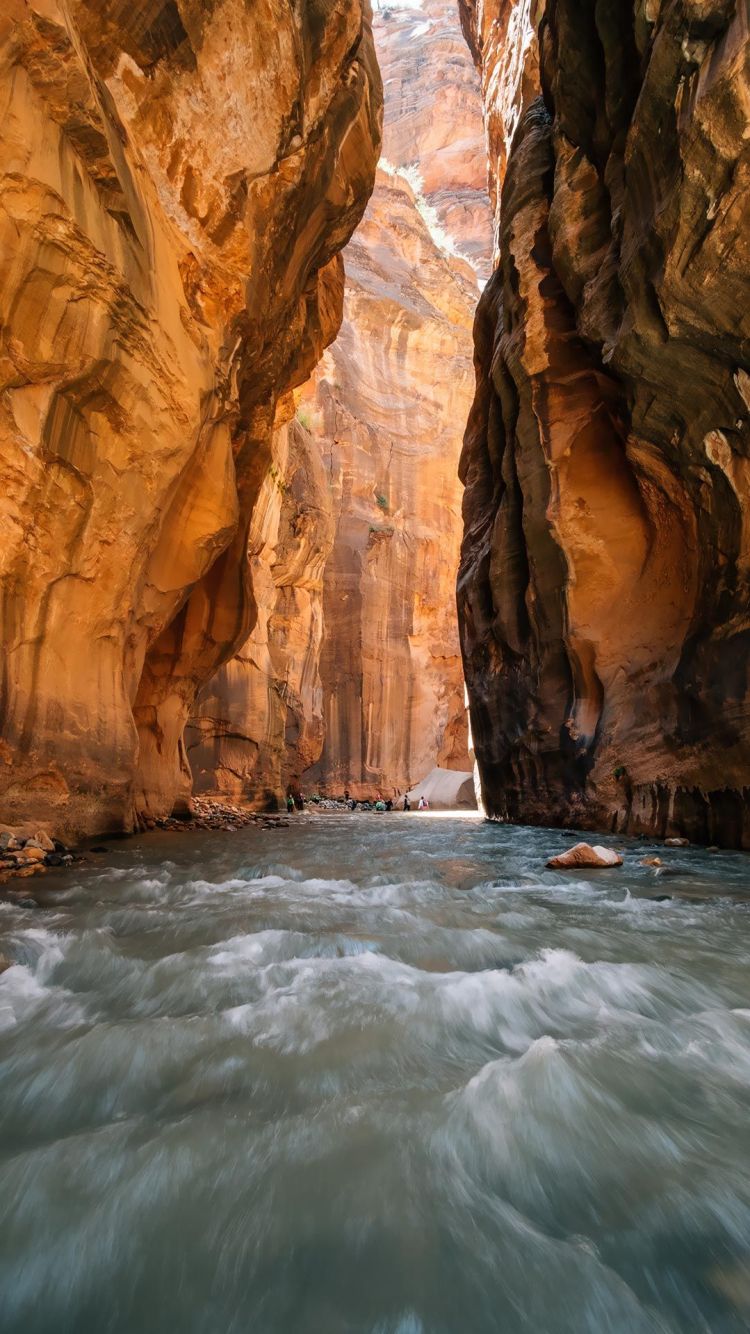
(584, 855)
(31, 853)
(677, 842)
(651, 861)
(5, 964)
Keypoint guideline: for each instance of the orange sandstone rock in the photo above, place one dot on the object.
(177, 181)
(582, 854)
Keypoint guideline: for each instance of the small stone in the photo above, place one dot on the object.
(31, 853)
(9, 843)
(677, 842)
(713, 848)
(651, 861)
(584, 855)
(34, 869)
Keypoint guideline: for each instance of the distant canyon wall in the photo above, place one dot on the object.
(604, 588)
(352, 676)
(177, 180)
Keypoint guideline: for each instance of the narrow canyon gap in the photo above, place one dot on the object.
(352, 678)
(604, 591)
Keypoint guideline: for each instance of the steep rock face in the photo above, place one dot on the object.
(370, 696)
(386, 403)
(177, 180)
(259, 721)
(603, 590)
(433, 120)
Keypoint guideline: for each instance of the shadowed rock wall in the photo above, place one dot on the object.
(176, 179)
(603, 589)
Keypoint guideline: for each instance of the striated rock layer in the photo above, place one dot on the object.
(177, 180)
(387, 404)
(603, 589)
(259, 721)
(352, 677)
(433, 121)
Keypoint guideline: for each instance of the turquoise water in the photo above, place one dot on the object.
(376, 1075)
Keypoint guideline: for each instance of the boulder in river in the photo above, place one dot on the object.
(584, 855)
(677, 842)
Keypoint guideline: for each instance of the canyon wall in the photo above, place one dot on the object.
(352, 677)
(177, 180)
(603, 590)
(386, 402)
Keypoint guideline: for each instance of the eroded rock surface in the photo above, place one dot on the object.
(177, 180)
(386, 405)
(369, 695)
(259, 721)
(604, 582)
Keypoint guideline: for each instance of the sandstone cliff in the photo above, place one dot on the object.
(604, 582)
(259, 721)
(433, 126)
(177, 180)
(388, 401)
(352, 677)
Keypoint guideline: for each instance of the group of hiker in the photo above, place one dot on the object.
(296, 802)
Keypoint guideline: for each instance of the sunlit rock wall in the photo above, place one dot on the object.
(176, 181)
(386, 410)
(604, 582)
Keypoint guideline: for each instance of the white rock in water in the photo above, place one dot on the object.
(584, 855)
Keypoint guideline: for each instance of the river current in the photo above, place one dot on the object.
(376, 1075)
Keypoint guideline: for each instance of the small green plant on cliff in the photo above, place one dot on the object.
(278, 479)
(382, 501)
(304, 418)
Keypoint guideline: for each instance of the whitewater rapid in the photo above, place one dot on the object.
(376, 1075)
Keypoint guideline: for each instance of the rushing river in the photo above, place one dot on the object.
(376, 1075)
